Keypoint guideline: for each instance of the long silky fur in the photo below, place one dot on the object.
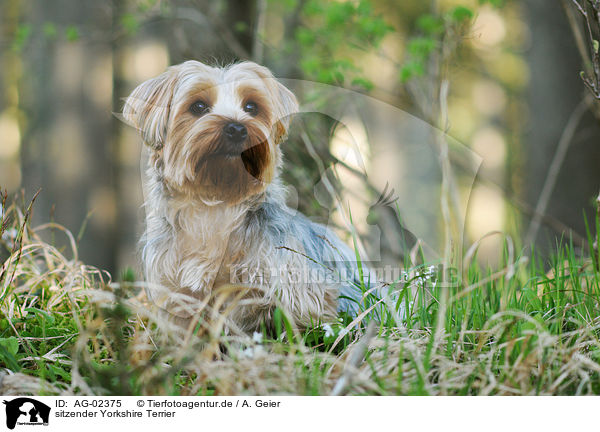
(198, 241)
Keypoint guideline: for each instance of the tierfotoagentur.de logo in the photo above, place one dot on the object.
(26, 411)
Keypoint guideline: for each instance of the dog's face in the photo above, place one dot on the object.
(214, 132)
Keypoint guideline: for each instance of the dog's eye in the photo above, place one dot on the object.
(199, 108)
(251, 108)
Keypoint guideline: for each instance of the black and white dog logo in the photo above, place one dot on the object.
(26, 411)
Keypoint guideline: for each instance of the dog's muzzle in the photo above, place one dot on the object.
(235, 133)
(235, 136)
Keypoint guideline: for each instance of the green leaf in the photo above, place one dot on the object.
(339, 77)
(326, 75)
(345, 64)
(430, 24)
(410, 70)
(310, 65)
(287, 4)
(364, 8)
(130, 23)
(21, 36)
(461, 13)
(58, 371)
(72, 34)
(495, 3)
(145, 6)
(596, 45)
(338, 13)
(240, 27)
(373, 29)
(50, 30)
(421, 47)
(49, 319)
(305, 36)
(8, 352)
(313, 8)
(364, 83)
(128, 275)
(277, 320)
(11, 345)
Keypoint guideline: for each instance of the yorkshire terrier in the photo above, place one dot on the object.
(216, 218)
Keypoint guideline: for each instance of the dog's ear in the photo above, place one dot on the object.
(286, 105)
(147, 108)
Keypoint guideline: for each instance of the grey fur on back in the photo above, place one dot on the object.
(328, 256)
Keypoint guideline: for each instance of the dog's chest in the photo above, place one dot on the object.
(208, 246)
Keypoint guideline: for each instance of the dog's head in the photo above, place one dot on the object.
(214, 132)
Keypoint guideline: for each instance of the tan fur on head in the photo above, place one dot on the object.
(189, 146)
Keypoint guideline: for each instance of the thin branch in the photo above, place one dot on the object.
(579, 38)
(591, 80)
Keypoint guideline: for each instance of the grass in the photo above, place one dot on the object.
(530, 328)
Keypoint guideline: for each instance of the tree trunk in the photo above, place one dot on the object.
(65, 93)
(555, 91)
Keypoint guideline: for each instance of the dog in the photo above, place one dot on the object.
(216, 217)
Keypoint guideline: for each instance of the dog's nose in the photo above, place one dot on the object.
(235, 132)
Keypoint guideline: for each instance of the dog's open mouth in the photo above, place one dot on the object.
(252, 160)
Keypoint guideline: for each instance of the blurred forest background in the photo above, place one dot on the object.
(512, 67)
